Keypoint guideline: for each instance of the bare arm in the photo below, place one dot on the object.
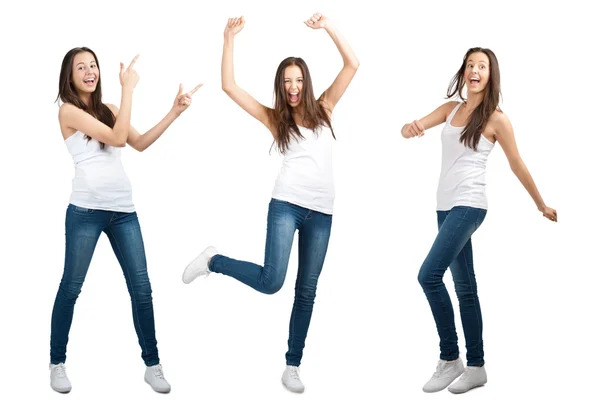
(435, 118)
(239, 96)
(503, 133)
(334, 93)
(141, 142)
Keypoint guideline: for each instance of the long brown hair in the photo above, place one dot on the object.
(68, 94)
(315, 115)
(471, 135)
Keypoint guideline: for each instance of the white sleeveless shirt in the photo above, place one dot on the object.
(100, 181)
(462, 178)
(306, 176)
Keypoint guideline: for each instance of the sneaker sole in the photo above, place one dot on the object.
(445, 387)
(157, 390)
(454, 391)
(201, 276)
(435, 391)
(290, 390)
(61, 390)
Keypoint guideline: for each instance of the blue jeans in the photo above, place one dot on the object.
(452, 248)
(313, 233)
(83, 228)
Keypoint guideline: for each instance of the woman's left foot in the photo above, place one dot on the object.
(291, 379)
(471, 378)
(155, 377)
(199, 266)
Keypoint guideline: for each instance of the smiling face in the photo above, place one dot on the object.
(86, 74)
(293, 81)
(477, 72)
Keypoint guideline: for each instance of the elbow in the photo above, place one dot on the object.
(137, 145)
(353, 63)
(227, 87)
(138, 148)
(118, 138)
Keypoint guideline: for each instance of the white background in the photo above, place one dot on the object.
(372, 342)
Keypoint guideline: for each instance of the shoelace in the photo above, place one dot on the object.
(294, 373)
(439, 369)
(465, 375)
(158, 372)
(60, 371)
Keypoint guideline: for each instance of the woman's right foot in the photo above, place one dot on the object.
(155, 377)
(444, 375)
(58, 378)
(472, 377)
(199, 266)
(291, 379)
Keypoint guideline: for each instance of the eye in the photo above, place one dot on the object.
(482, 67)
(93, 66)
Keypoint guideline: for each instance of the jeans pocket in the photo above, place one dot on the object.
(82, 210)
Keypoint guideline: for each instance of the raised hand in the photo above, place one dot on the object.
(129, 77)
(317, 21)
(184, 100)
(234, 26)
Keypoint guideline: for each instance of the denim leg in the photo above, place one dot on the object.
(463, 274)
(282, 222)
(82, 230)
(313, 239)
(455, 229)
(125, 236)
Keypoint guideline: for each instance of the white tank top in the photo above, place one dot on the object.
(462, 178)
(306, 176)
(100, 182)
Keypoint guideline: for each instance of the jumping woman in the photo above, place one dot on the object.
(303, 195)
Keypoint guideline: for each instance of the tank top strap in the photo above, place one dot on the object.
(451, 116)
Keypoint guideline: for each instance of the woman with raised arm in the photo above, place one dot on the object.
(303, 194)
(101, 201)
(472, 127)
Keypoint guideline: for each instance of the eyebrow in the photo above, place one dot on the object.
(84, 63)
(484, 62)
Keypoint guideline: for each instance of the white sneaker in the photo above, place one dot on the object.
(58, 378)
(154, 376)
(291, 380)
(199, 266)
(471, 378)
(446, 372)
